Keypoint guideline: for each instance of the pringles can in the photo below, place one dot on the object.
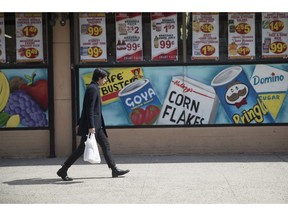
(140, 102)
(238, 97)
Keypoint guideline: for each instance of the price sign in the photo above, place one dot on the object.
(31, 52)
(95, 30)
(241, 35)
(207, 50)
(95, 52)
(93, 41)
(164, 45)
(274, 35)
(243, 28)
(169, 27)
(129, 37)
(29, 37)
(205, 36)
(276, 25)
(30, 31)
(2, 40)
(207, 28)
(243, 51)
(132, 46)
(278, 47)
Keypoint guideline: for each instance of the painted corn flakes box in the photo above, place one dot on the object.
(188, 102)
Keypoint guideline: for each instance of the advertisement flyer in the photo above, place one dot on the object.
(205, 36)
(2, 39)
(129, 46)
(164, 37)
(274, 35)
(241, 35)
(193, 95)
(93, 41)
(29, 37)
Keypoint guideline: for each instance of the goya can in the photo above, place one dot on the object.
(140, 102)
(238, 97)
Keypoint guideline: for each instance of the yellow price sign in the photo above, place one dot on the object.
(276, 25)
(95, 30)
(30, 31)
(207, 50)
(278, 47)
(31, 52)
(95, 52)
(243, 28)
(243, 50)
(207, 28)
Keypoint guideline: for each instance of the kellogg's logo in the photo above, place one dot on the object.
(183, 86)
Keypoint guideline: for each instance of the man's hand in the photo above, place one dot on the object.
(92, 130)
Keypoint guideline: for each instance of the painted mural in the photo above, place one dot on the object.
(193, 95)
(23, 98)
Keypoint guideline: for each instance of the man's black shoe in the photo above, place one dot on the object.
(117, 172)
(62, 172)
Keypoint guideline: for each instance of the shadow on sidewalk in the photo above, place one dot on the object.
(40, 181)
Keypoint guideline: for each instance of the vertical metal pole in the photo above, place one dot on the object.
(184, 37)
(73, 79)
(51, 85)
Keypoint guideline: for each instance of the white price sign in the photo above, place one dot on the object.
(164, 44)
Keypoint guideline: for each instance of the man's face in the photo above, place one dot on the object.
(102, 81)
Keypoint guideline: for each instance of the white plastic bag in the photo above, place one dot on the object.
(91, 152)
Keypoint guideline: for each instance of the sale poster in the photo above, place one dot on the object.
(129, 46)
(241, 35)
(29, 37)
(2, 39)
(205, 36)
(93, 41)
(274, 35)
(164, 44)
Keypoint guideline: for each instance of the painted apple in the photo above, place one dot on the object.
(38, 91)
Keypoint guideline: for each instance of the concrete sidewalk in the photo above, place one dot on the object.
(193, 179)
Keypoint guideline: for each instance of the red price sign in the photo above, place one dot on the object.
(169, 26)
(243, 28)
(243, 50)
(95, 30)
(134, 29)
(278, 47)
(132, 46)
(166, 44)
(30, 31)
(95, 52)
(30, 52)
(207, 28)
(276, 25)
(207, 50)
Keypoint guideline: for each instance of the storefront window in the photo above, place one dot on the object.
(25, 38)
(24, 71)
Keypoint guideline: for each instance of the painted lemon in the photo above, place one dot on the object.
(13, 121)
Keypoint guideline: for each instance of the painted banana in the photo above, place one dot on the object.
(4, 90)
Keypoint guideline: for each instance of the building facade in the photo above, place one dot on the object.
(179, 83)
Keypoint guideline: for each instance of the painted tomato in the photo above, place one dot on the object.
(151, 114)
(137, 116)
